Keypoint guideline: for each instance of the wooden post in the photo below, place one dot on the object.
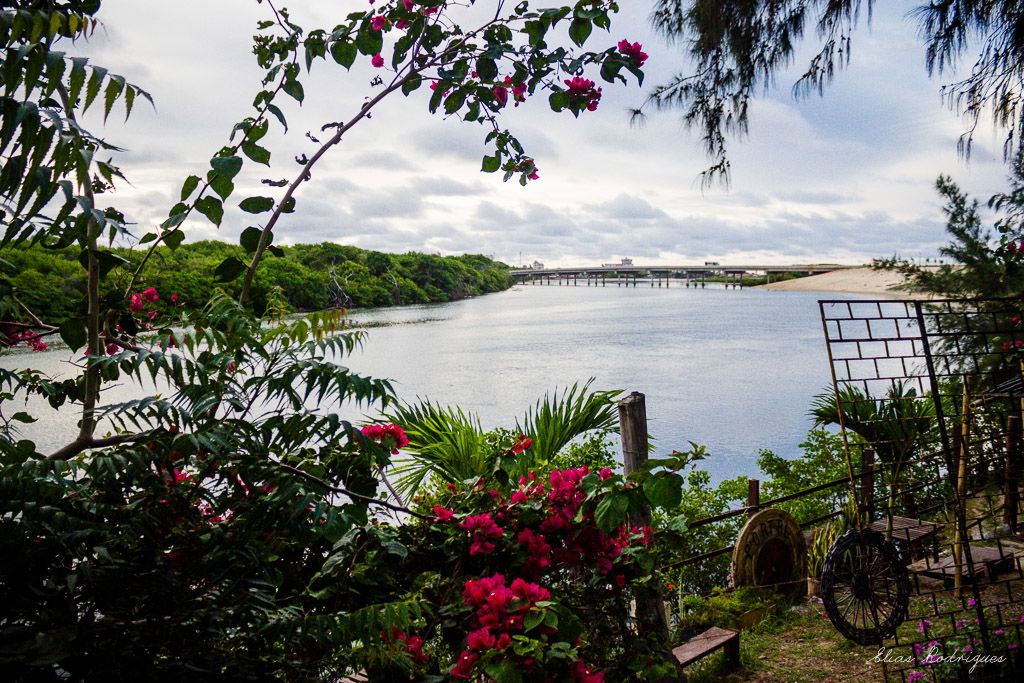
(1011, 478)
(867, 484)
(753, 495)
(651, 618)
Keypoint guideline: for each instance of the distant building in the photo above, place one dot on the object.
(624, 262)
(537, 265)
(712, 263)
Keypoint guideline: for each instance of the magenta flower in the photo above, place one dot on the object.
(634, 51)
(581, 91)
(378, 23)
(377, 61)
(150, 294)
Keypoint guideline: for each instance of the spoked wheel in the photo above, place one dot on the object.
(865, 587)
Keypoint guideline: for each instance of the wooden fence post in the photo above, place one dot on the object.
(651, 618)
(753, 496)
(1011, 478)
(867, 485)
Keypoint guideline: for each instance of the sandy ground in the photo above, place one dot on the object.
(849, 281)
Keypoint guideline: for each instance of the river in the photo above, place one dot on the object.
(733, 370)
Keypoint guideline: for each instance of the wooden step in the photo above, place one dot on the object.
(704, 644)
(987, 562)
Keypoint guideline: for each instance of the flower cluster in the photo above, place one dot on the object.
(413, 645)
(482, 530)
(635, 52)
(498, 613)
(582, 93)
(15, 337)
(389, 436)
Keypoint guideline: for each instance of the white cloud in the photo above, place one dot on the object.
(844, 178)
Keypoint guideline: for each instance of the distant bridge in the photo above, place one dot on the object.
(656, 274)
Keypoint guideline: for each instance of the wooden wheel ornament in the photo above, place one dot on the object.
(865, 587)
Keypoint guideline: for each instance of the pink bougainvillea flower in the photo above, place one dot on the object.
(518, 92)
(407, 4)
(401, 24)
(112, 349)
(464, 667)
(378, 23)
(443, 514)
(389, 436)
(581, 91)
(174, 297)
(150, 294)
(377, 61)
(605, 473)
(634, 51)
(581, 673)
(137, 304)
(501, 94)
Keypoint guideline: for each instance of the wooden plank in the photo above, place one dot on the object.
(907, 529)
(986, 561)
(704, 644)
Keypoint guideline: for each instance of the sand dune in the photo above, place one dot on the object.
(850, 281)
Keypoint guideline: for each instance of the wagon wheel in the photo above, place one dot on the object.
(864, 586)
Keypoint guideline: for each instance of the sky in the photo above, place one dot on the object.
(842, 178)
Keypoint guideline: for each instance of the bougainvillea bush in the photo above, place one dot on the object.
(228, 525)
(532, 582)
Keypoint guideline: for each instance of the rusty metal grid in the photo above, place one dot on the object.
(962, 361)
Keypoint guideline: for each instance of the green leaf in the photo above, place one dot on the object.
(227, 166)
(368, 41)
(454, 101)
(611, 511)
(492, 163)
(532, 620)
(212, 208)
(174, 239)
(664, 489)
(294, 88)
(487, 69)
(411, 83)
(221, 185)
(579, 30)
(229, 269)
(23, 417)
(261, 155)
(344, 52)
(276, 111)
(189, 186)
(72, 331)
(504, 671)
(558, 100)
(250, 239)
(256, 204)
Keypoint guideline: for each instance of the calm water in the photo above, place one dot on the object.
(731, 369)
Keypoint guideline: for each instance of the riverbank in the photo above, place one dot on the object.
(881, 283)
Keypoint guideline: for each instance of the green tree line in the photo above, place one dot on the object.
(309, 276)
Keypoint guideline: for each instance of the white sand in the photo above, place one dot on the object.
(850, 281)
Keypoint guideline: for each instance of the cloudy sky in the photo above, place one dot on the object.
(843, 178)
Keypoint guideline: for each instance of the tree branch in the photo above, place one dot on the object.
(83, 444)
(350, 494)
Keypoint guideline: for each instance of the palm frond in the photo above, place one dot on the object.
(558, 418)
(444, 441)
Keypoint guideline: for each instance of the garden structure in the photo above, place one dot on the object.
(924, 559)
